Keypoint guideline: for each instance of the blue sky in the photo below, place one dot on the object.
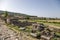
(41, 8)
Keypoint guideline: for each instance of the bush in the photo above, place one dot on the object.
(38, 36)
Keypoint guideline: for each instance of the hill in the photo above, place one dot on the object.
(13, 13)
(24, 15)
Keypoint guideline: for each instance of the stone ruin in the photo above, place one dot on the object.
(38, 27)
(20, 24)
(45, 32)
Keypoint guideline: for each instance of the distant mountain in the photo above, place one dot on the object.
(14, 14)
(1, 12)
(24, 15)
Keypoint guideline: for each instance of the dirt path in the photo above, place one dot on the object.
(6, 33)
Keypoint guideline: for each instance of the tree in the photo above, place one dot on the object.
(5, 16)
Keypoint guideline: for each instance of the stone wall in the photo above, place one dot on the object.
(21, 24)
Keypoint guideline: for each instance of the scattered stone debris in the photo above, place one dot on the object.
(45, 33)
